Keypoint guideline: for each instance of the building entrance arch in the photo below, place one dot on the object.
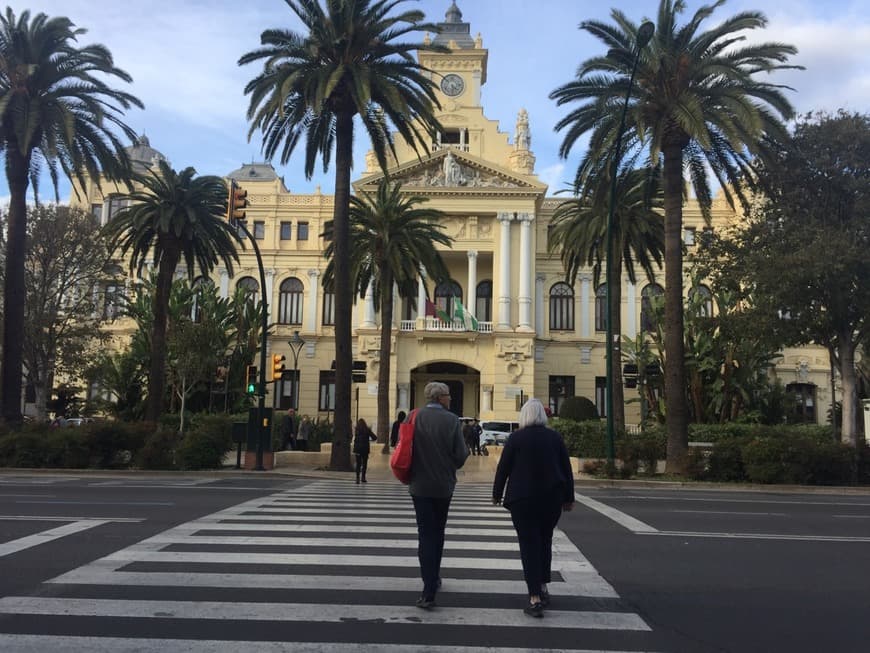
(463, 381)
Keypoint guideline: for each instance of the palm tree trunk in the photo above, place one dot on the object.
(384, 389)
(14, 294)
(340, 456)
(675, 374)
(157, 365)
(615, 298)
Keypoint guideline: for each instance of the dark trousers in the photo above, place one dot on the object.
(534, 521)
(431, 521)
(301, 445)
(362, 464)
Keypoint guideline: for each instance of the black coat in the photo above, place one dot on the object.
(534, 463)
(362, 440)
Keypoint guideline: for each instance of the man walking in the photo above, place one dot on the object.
(288, 430)
(439, 450)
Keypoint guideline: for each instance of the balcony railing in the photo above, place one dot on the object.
(435, 324)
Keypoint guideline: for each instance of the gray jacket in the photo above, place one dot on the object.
(439, 450)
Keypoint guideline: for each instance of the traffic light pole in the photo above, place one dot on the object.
(261, 394)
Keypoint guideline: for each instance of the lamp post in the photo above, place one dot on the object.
(296, 343)
(644, 34)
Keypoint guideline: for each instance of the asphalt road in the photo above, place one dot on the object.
(262, 562)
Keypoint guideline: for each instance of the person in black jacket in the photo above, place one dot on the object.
(540, 485)
(394, 431)
(362, 439)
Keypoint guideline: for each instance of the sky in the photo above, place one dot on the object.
(182, 55)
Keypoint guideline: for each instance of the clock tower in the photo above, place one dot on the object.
(461, 72)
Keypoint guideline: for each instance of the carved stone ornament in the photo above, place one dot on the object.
(450, 173)
(514, 349)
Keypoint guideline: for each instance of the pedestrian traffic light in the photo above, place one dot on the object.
(251, 385)
(277, 367)
(238, 202)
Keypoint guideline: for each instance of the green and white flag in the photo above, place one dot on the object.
(461, 313)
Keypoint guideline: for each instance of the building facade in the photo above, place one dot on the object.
(533, 334)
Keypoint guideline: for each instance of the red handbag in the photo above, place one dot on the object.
(400, 461)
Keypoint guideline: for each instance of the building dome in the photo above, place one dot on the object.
(142, 155)
(254, 172)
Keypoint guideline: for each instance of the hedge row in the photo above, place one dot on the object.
(120, 445)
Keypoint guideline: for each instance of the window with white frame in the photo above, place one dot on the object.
(290, 301)
(561, 307)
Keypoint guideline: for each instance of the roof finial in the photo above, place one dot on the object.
(453, 14)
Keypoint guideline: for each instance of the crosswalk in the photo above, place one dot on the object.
(329, 566)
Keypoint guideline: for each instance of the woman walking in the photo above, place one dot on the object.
(540, 485)
(362, 439)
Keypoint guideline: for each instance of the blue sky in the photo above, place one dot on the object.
(182, 55)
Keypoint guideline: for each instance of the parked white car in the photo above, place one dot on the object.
(497, 432)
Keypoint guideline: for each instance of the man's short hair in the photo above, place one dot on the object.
(434, 391)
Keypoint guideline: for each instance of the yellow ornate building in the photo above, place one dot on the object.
(536, 335)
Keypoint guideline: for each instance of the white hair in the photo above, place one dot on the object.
(533, 414)
(434, 391)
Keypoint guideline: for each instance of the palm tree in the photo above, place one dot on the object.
(580, 232)
(697, 104)
(393, 241)
(353, 61)
(56, 112)
(175, 216)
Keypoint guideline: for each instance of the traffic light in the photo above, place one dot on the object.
(277, 367)
(238, 202)
(251, 385)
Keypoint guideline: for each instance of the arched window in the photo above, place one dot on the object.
(601, 308)
(649, 291)
(444, 295)
(561, 307)
(251, 288)
(290, 301)
(328, 308)
(702, 298)
(483, 310)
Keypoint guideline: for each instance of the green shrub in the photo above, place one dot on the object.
(158, 451)
(725, 462)
(644, 449)
(67, 449)
(114, 444)
(578, 409)
(23, 449)
(583, 439)
(206, 444)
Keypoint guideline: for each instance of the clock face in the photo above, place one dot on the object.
(452, 85)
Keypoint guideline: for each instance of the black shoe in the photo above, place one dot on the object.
(545, 599)
(364, 481)
(425, 602)
(534, 610)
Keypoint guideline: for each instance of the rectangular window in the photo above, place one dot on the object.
(326, 396)
(328, 308)
(560, 388)
(97, 212)
(689, 236)
(302, 231)
(259, 230)
(112, 301)
(286, 230)
(601, 395)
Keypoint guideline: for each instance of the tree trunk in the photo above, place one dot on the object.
(384, 388)
(850, 394)
(675, 374)
(340, 456)
(157, 364)
(14, 293)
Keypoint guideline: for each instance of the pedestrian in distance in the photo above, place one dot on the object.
(287, 430)
(362, 439)
(468, 436)
(305, 427)
(394, 430)
(439, 450)
(540, 485)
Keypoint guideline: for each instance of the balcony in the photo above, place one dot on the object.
(435, 324)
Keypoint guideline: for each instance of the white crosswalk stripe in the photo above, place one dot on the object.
(319, 565)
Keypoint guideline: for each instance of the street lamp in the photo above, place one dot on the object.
(296, 343)
(644, 34)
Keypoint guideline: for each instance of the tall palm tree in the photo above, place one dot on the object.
(580, 233)
(57, 113)
(697, 104)
(393, 241)
(173, 217)
(352, 61)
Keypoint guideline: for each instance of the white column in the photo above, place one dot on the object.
(404, 397)
(631, 312)
(224, 283)
(369, 313)
(487, 399)
(313, 288)
(472, 283)
(270, 297)
(586, 283)
(539, 305)
(504, 281)
(525, 294)
(421, 301)
(397, 307)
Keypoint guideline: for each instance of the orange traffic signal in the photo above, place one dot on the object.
(238, 202)
(277, 367)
